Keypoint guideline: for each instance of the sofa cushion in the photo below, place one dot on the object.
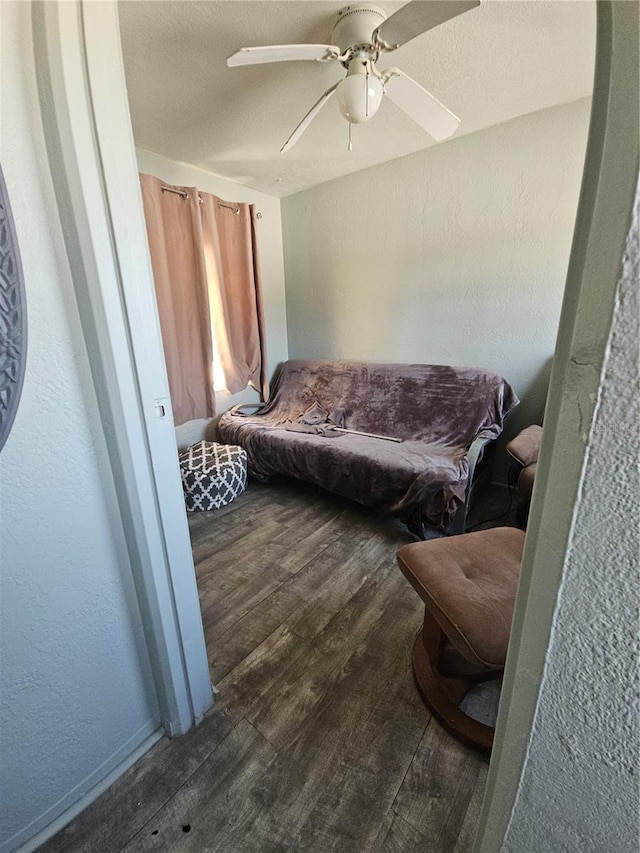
(433, 402)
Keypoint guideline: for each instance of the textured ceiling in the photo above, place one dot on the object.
(501, 60)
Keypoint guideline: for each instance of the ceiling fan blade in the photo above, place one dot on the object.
(421, 106)
(283, 53)
(306, 121)
(416, 18)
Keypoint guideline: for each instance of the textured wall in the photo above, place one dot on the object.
(457, 254)
(271, 260)
(567, 726)
(582, 769)
(75, 693)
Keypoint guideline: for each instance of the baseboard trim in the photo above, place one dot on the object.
(46, 825)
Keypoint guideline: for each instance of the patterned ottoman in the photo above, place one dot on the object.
(212, 474)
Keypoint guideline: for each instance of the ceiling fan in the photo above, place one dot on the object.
(362, 33)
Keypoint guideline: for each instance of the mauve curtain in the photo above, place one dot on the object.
(174, 230)
(235, 292)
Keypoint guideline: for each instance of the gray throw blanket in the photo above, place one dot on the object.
(317, 421)
(436, 410)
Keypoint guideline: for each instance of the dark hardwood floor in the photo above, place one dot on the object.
(318, 740)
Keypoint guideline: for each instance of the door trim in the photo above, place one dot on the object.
(92, 158)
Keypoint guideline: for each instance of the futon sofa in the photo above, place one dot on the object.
(426, 428)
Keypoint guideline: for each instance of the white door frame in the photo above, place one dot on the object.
(603, 223)
(93, 158)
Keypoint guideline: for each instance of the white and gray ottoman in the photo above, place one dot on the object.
(212, 474)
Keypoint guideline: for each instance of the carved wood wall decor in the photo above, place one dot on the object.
(13, 318)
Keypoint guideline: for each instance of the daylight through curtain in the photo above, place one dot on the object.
(235, 293)
(174, 231)
(206, 271)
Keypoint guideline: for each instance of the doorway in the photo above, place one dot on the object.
(109, 119)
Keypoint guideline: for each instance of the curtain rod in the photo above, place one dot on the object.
(185, 194)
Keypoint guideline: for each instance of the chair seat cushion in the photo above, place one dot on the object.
(468, 583)
(212, 474)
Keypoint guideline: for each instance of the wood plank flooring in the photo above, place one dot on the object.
(318, 740)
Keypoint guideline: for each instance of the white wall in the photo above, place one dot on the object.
(582, 766)
(454, 255)
(272, 264)
(571, 678)
(76, 694)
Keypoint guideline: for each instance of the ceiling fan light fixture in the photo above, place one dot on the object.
(361, 34)
(359, 96)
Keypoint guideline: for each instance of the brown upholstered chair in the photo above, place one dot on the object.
(468, 584)
(524, 449)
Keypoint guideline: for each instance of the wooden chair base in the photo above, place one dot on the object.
(442, 693)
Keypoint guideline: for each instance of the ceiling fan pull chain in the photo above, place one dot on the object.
(366, 93)
(350, 145)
